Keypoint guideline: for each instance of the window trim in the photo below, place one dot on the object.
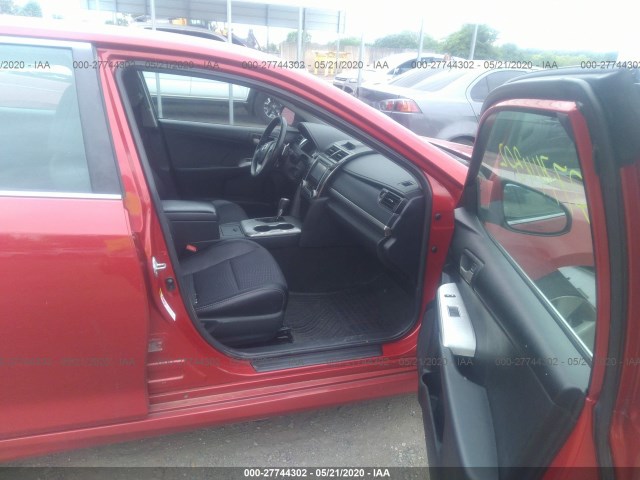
(68, 195)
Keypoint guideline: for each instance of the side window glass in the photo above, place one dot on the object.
(404, 67)
(42, 143)
(533, 203)
(197, 99)
(480, 90)
(494, 80)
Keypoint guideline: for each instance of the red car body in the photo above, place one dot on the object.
(70, 268)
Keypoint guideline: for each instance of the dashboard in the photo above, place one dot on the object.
(377, 201)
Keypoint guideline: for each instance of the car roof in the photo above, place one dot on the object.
(189, 30)
(115, 36)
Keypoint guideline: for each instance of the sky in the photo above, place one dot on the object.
(541, 24)
(544, 24)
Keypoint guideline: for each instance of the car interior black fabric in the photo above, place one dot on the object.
(332, 288)
(156, 150)
(228, 212)
(326, 269)
(237, 291)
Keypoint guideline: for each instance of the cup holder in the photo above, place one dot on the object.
(273, 226)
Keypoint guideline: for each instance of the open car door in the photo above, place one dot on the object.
(519, 354)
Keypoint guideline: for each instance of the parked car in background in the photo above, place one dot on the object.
(199, 91)
(198, 94)
(153, 279)
(411, 77)
(444, 105)
(200, 32)
(383, 70)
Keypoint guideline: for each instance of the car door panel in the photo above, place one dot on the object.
(544, 152)
(212, 160)
(78, 356)
(497, 408)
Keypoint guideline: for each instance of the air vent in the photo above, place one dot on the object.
(339, 155)
(389, 200)
(336, 153)
(331, 150)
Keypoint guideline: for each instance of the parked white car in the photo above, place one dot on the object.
(264, 107)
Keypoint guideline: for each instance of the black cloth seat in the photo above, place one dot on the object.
(237, 291)
(228, 212)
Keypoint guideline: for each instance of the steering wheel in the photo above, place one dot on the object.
(268, 150)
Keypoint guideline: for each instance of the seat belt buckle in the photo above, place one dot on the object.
(191, 248)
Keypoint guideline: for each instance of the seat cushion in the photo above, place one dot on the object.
(228, 212)
(237, 290)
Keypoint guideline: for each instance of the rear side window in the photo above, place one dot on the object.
(533, 203)
(404, 67)
(480, 90)
(43, 145)
(495, 79)
(490, 82)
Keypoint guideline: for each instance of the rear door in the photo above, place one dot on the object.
(73, 303)
(514, 352)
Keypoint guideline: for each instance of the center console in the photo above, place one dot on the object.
(273, 232)
(195, 225)
(316, 176)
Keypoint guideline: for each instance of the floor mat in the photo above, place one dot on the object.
(376, 310)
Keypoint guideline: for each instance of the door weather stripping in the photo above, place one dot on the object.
(157, 267)
(455, 326)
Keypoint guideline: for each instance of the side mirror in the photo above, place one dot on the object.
(530, 211)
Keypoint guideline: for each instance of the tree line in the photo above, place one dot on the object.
(29, 9)
(458, 44)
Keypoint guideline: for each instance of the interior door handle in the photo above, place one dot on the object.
(470, 265)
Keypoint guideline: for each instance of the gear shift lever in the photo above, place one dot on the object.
(282, 206)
